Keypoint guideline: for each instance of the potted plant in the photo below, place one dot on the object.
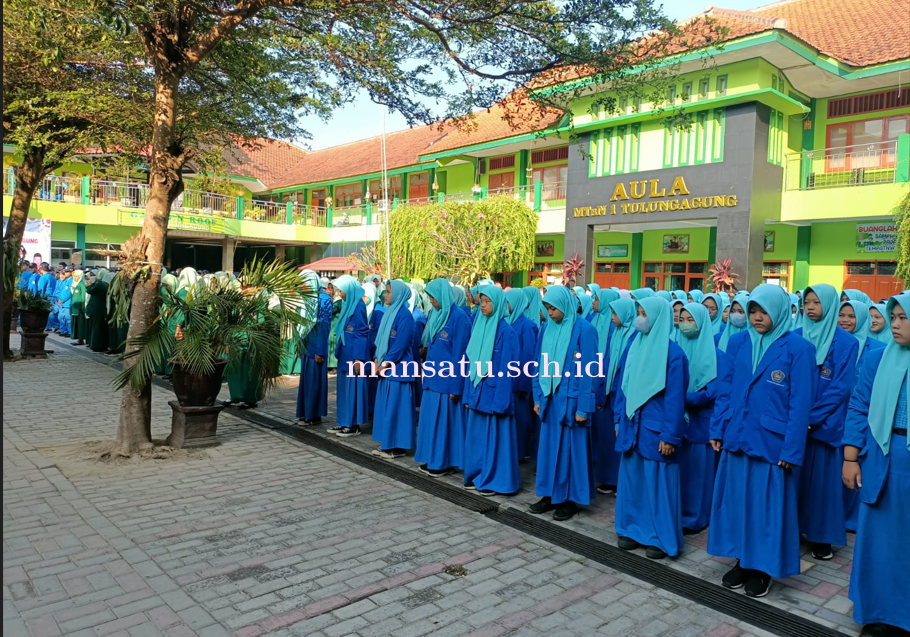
(34, 311)
(222, 326)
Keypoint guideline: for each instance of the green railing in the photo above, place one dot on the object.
(859, 165)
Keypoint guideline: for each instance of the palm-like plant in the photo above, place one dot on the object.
(223, 321)
(723, 278)
(572, 269)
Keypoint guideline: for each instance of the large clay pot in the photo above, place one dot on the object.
(197, 391)
(33, 321)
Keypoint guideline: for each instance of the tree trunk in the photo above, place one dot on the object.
(165, 184)
(28, 177)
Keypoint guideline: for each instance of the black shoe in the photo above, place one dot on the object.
(655, 553)
(248, 406)
(606, 489)
(565, 511)
(75, 344)
(884, 630)
(226, 403)
(735, 577)
(487, 493)
(758, 584)
(822, 551)
(693, 531)
(541, 506)
(470, 487)
(627, 544)
(438, 473)
(349, 432)
(334, 430)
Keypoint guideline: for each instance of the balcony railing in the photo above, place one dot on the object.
(860, 165)
(118, 193)
(65, 189)
(9, 181)
(266, 211)
(303, 215)
(206, 203)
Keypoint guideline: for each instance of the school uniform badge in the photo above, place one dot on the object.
(350, 328)
(443, 334)
(826, 372)
(778, 376)
(393, 333)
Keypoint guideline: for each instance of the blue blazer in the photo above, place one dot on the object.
(420, 324)
(493, 395)
(836, 377)
(765, 413)
(873, 463)
(375, 320)
(317, 341)
(662, 418)
(527, 334)
(64, 294)
(701, 405)
(599, 386)
(401, 347)
(448, 345)
(579, 388)
(870, 347)
(46, 284)
(356, 333)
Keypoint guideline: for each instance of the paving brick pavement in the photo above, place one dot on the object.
(261, 536)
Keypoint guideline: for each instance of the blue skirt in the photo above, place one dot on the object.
(851, 506)
(395, 420)
(524, 408)
(697, 463)
(821, 494)
(879, 584)
(603, 445)
(440, 432)
(490, 452)
(754, 515)
(313, 389)
(647, 502)
(351, 393)
(564, 464)
(372, 386)
(418, 390)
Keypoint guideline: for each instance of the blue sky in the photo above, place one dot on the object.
(363, 118)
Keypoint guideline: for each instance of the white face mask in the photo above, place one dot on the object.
(738, 320)
(642, 324)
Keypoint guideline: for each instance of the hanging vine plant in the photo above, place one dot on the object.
(465, 240)
(902, 221)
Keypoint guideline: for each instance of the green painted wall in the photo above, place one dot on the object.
(831, 245)
(459, 178)
(558, 248)
(61, 231)
(822, 122)
(109, 234)
(699, 240)
(785, 238)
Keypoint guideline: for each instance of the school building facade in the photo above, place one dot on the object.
(796, 153)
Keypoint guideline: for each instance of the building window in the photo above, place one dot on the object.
(554, 180)
(502, 163)
(61, 251)
(669, 144)
(877, 137)
(318, 197)
(633, 146)
(348, 195)
(671, 95)
(721, 85)
(701, 137)
(91, 258)
(675, 275)
(687, 91)
(717, 150)
(419, 186)
(620, 149)
(703, 88)
(550, 154)
(549, 272)
(869, 103)
(502, 182)
(614, 274)
(623, 104)
(394, 189)
(875, 278)
(776, 273)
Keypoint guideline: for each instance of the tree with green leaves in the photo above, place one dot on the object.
(67, 84)
(902, 220)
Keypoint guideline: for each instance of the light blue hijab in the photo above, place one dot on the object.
(717, 323)
(625, 311)
(483, 334)
(857, 295)
(594, 288)
(353, 292)
(863, 323)
(587, 304)
(886, 388)
(681, 295)
(821, 333)
(518, 303)
(741, 299)
(642, 293)
(699, 350)
(532, 311)
(774, 300)
(580, 291)
(885, 336)
(458, 296)
(665, 295)
(603, 320)
(797, 318)
(401, 293)
(371, 293)
(697, 295)
(441, 290)
(557, 336)
(645, 374)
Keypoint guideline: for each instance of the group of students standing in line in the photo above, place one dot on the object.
(767, 416)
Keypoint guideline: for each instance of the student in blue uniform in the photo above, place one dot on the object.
(821, 497)
(33, 277)
(715, 304)
(565, 405)
(64, 296)
(695, 296)
(855, 295)
(603, 435)
(642, 293)
(46, 281)
(491, 450)
(374, 319)
(737, 321)
(532, 311)
(24, 276)
(420, 324)
(526, 332)
(649, 413)
(587, 307)
(593, 288)
(395, 420)
(754, 514)
(709, 375)
(460, 300)
(665, 295)
(877, 465)
(352, 351)
(313, 388)
(880, 326)
(440, 430)
(795, 302)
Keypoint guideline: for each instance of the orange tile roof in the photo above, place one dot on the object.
(361, 157)
(264, 159)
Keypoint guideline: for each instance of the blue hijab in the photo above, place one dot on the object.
(518, 303)
(580, 291)
(885, 336)
(604, 318)
(646, 365)
(796, 318)
(587, 304)
(353, 293)
(665, 295)
(886, 388)
(681, 295)
(699, 350)
(532, 311)
(594, 288)
(741, 299)
(441, 290)
(625, 310)
(697, 295)
(857, 295)
(774, 300)
(370, 292)
(483, 334)
(642, 293)
(717, 322)
(459, 297)
(401, 293)
(557, 336)
(863, 323)
(821, 333)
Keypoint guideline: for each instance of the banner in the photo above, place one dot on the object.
(876, 237)
(37, 238)
(177, 221)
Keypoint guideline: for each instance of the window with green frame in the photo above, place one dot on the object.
(634, 146)
(615, 150)
(701, 137)
(703, 88)
(687, 91)
(717, 147)
(685, 144)
(620, 150)
(721, 85)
